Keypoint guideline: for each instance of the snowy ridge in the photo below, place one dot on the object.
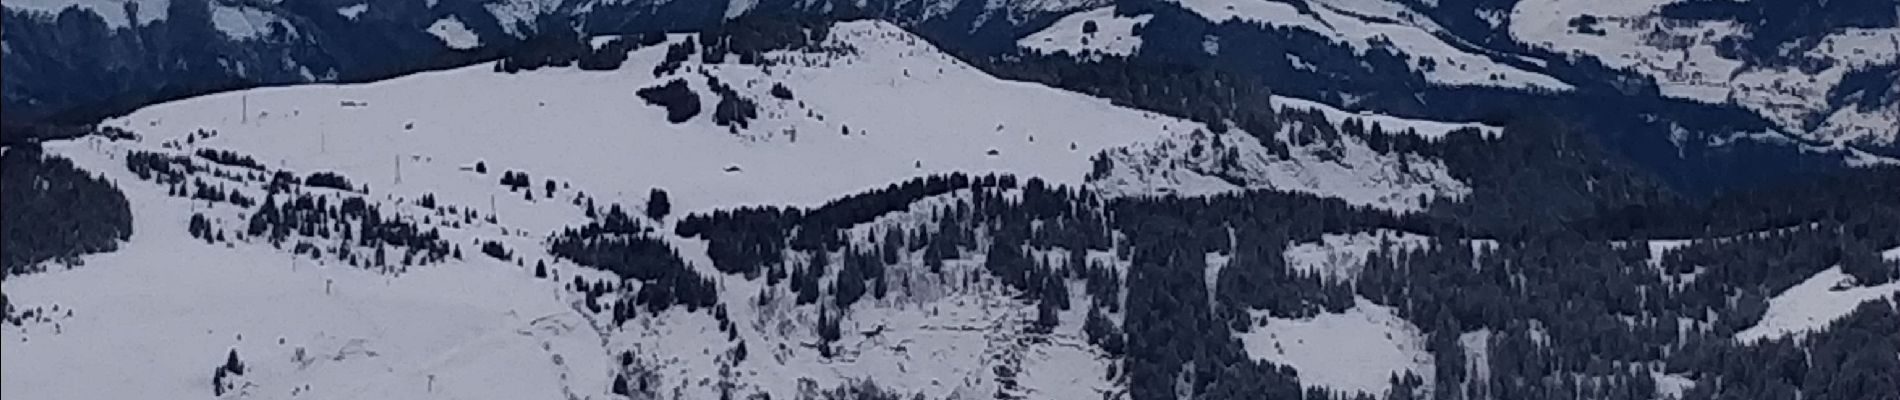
(1342, 166)
(1368, 24)
(1093, 33)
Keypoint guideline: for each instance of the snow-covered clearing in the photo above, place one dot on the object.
(1091, 33)
(352, 11)
(1342, 256)
(248, 23)
(1356, 350)
(1367, 24)
(454, 33)
(1813, 304)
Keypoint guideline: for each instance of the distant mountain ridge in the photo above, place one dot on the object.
(1461, 60)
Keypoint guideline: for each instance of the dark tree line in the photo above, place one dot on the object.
(52, 210)
(616, 243)
(230, 158)
(563, 48)
(326, 179)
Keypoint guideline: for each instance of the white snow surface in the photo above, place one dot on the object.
(152, 319)
(247, 23)
(1477, 346)
(612, 142)
(454, 33)
(1342, 256)
(513, 13)
(112, 11)
(1367, 24)
(352, 11)
(1682, 58)
(1814, 303)
(1114, 35)
(1355, 350)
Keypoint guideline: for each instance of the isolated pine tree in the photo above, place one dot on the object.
(658, 205)
(217, 381)
(1046, 319)
(232, 364)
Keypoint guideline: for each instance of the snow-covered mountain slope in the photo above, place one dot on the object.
(885, 107)
(852, 116)
(1308, 156)
(890, 107)
(1367, 24)
(155, 317)
(869, 105)
(1698, 60)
